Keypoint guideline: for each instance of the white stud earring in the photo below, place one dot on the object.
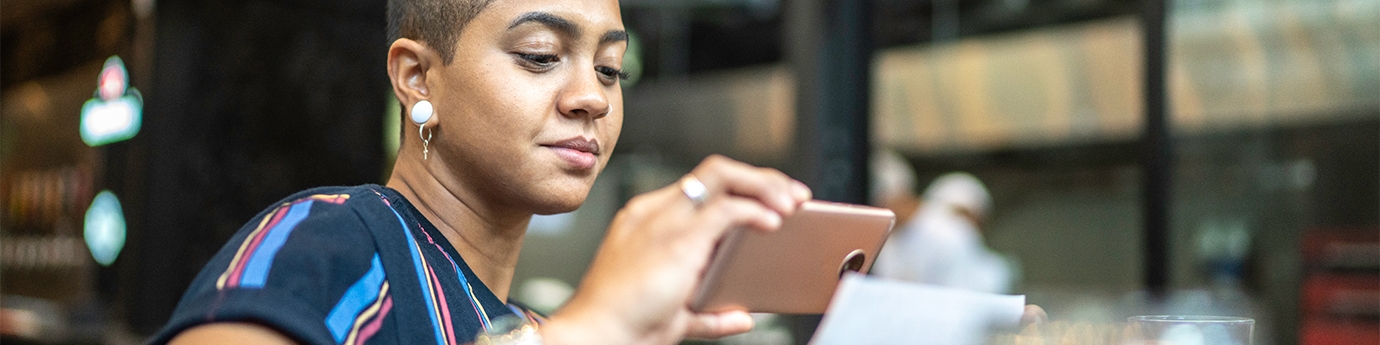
(421, 113)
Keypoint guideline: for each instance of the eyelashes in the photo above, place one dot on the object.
(612, 72)
(539, 59)
(544, 62)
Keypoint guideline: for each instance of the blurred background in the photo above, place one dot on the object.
(1143, 157)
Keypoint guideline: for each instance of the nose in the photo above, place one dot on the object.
(584, 97)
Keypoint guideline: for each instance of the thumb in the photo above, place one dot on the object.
(716, 325)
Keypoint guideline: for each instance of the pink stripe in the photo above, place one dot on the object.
(428, 235)
(445, 309)
(474, 303)
(374, 325)
(249, 252)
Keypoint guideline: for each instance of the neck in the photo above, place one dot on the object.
(488, 238)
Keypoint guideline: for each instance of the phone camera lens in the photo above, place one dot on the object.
(853, 262)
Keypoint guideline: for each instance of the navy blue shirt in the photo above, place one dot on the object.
(342, 265)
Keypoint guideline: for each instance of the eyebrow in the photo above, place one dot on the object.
(614, 36)
(565, 26)
(550, 20)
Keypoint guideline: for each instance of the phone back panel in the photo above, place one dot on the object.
(795, 269)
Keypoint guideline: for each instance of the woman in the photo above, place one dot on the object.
(512, 108)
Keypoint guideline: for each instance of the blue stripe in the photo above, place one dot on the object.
(465, 283)
(256, 271)
(421, 277)
(361, 295)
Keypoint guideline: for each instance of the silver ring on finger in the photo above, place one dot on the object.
(694, 190)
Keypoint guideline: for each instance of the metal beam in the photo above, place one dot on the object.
(829, 47)
(830, 53)
(1157, 154)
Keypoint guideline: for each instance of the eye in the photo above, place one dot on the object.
(539, 60)
(612, 73)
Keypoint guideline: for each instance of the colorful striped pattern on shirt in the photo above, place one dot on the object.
(367, 299)
(251, 264)
(438, 311)
(464, 283)
(530, 316)
(374, 325)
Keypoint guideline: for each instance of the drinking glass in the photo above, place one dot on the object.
(1189, 330)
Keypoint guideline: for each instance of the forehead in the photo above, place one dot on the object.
(597, 15)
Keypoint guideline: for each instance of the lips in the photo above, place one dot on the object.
(578, 153)
(590, 146)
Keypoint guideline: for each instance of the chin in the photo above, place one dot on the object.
(560, 199)
(561, 191)
(561, 206)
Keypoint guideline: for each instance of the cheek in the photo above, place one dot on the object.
(611, 128)
(515, 104)
(613, 124)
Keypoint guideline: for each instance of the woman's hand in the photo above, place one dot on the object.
(638, 287)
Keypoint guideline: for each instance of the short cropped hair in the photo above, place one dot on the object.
(434, 22)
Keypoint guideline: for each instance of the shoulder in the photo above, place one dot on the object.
(329, 223)
(288, 267)
(336, 201)
(321, 220)
(314, 229)
(323, 211)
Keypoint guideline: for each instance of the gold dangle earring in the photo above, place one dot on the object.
(421, 113)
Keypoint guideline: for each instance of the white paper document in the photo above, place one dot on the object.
(871, 310)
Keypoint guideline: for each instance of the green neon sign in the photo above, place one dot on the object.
(105, 228)
(116, 111)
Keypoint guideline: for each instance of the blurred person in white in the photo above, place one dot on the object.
(938, 235)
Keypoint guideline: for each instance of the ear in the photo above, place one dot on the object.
(408, 63)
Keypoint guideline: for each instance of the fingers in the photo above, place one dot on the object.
(1033, 315)
(724, 176)
(666, 238)
(800, 191)
(727, 212)
(711, 326)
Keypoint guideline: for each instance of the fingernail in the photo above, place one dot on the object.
(773, 220)
(800, 189)
(740, 320)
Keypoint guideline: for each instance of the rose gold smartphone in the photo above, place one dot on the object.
(795, 269)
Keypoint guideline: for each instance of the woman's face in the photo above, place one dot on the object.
(531, 103)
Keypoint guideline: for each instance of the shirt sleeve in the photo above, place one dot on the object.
(290, 268)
